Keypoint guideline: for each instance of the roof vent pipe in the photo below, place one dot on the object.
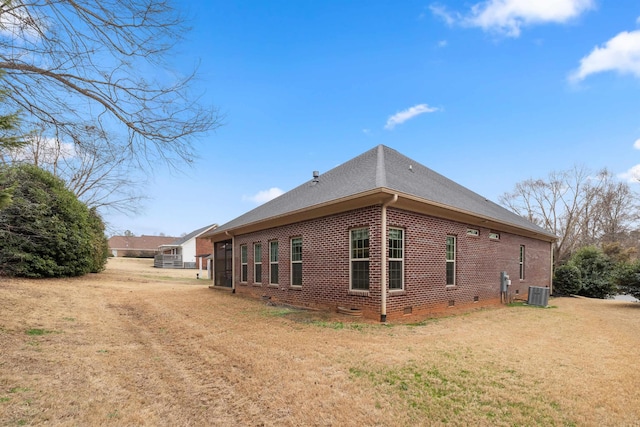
(316, 174)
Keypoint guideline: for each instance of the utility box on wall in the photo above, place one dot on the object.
(538, 296)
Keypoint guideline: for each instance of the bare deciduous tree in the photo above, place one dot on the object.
(98, 174)
(580, 208)
(617, 208)
(73, 64)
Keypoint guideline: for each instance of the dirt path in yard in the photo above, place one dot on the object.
(140, 350)
(143, 346)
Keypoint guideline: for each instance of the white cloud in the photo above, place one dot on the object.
(636, 144)
(621, 54)
(366, 131)
(47, 150)
(407, 114)
(509, 16)
(442, 13)
(632, 175)
(443, 43)
(16, 23)
(264, 195)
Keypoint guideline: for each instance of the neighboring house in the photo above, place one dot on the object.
(381, 221)
(189, 251)
(137, 246)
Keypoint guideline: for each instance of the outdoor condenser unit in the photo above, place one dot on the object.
(538, 296)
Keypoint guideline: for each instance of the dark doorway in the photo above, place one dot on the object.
(223, 264)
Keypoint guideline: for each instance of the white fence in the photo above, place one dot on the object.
(168, 261)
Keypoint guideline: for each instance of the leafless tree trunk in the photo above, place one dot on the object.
(617, 208)
(74, 65)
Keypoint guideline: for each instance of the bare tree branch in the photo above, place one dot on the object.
(100, 176)
(579, 207)
(73, 62)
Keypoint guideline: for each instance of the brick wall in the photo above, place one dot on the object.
(479, 261)
(203, 247)
(325, 272)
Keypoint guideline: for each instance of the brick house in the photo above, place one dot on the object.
(322, 244)
(189, 251)
(137, 246)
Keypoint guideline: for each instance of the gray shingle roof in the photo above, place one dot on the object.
(182, 240)
(382, 168)
(140, 243)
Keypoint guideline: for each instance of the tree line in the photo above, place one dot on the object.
(595, 217)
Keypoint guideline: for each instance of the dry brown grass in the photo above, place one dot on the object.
(140, 346)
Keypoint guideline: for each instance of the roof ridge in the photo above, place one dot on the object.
(381, 169)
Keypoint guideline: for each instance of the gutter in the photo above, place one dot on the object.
(383, 259)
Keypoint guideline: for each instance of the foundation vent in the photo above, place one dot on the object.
(408, 310)
(452, 303)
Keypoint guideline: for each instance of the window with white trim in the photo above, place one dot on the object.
(451, 260)
(521, 262)
(243, 261)
(273, 262)
(257, 262)
(396, 259)
(359, 259)
(296, 261)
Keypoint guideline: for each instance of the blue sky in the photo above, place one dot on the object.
(486, 93)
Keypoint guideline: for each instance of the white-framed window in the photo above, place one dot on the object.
(451, 260)
(494, 236)
(296, 261)
(244, 270)
(257, 262)
(359, 259)
(473, 232)
(273, 262)
(396, 259)
(522, 253)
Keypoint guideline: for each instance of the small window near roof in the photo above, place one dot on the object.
(494, 236)
(473, 232)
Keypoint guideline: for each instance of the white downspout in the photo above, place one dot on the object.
(383, 259)
(551, 270)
